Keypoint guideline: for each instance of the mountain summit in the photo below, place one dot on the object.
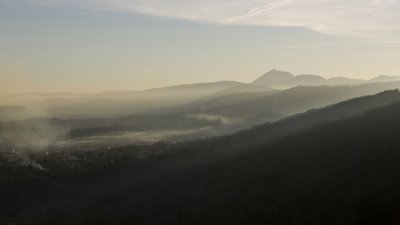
(273, 77)
(282, 79)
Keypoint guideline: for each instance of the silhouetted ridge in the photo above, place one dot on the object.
(284, 80)
(385, 78)
(300, 122)
(273, 77)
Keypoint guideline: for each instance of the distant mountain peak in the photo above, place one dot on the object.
(275, 70)
(273, 77)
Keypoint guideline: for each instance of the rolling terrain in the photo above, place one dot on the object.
(222, 112)
(190, 97)
(334, 165)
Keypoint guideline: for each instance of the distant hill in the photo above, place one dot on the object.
(225, 98)
(229, 96)
(304, 80)
(313, 117)
(336, 81)
(385, 78)
(117, 103)
(284, 80)
(221, 112)
(212, 86)
(281, 79)
(244, 88)
(290, 101)
(273, 78)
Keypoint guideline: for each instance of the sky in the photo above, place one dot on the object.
(98, 45)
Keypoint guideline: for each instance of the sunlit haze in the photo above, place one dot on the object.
(98, 45)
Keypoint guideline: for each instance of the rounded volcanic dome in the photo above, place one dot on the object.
(273, 77)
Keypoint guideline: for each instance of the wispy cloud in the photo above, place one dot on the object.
(339, 17)
(329, 45)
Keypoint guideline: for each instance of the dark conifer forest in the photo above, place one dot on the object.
(334, 165)
(199, 112)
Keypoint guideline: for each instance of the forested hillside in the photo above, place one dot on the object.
(342, 168)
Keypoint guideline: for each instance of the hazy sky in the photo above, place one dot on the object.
(94, 45)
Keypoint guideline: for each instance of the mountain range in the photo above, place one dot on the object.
(172, 99)
(283, 80)
(177, 113)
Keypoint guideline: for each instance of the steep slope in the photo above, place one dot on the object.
(311, 118)
(346, 172)
(341, 171)
(299, 99)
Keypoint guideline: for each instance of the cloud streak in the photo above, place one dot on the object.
(328, 45)
(338, 17)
